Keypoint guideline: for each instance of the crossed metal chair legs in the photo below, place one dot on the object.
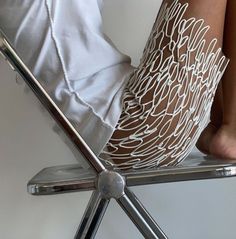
(106, 183)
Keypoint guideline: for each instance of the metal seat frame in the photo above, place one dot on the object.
(105, 182)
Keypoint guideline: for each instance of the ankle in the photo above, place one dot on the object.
(228, 130)
(206, 137)
(212, 125)
(223, 144)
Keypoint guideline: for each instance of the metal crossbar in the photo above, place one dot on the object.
(104, 182)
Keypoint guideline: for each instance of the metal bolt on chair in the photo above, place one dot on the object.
(105, 182)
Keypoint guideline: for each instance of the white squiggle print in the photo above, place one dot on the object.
(167, 101)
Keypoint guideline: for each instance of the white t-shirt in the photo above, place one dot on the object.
(63, 43)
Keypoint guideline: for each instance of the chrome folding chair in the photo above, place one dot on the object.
(105, 182)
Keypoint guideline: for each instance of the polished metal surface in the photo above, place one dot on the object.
(138, 214)
(72, 178)
(92, 217)
(62, 179)
(145, 215)
(193, 168)
(104, 182)
(111, 185)
(15, 62)
(2, 39)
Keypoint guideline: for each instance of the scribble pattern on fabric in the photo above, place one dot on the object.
(167, 101)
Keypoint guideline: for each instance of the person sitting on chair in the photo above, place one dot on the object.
(135, 117)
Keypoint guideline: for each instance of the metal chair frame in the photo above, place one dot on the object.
(105, 182)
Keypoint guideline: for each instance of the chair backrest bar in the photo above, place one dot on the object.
(14, 60)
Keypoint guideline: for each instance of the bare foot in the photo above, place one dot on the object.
(223, 143)
(205, 138)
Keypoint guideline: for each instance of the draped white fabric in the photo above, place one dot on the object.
(62, 42)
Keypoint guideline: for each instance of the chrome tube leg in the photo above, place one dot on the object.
(92, 217)
(140, 217)
(16, 63)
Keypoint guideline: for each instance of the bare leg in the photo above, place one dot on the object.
(169, 96)
(216, 118)
(223, 143)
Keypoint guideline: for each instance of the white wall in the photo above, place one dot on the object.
(190, 210)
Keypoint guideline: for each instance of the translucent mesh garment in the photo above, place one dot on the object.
(167, 101)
